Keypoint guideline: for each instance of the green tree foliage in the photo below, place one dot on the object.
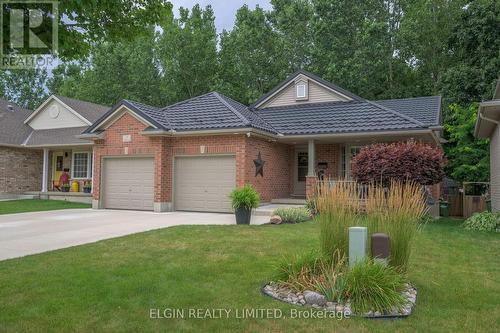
(188, 54)
(24, 87)
(117, 71)
(475, 48)
(251, 57)
(468, 157)
(84, 22)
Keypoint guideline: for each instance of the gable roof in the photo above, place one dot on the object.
(87, 111)
(311, 76)
(90, 111)
(210, 111)
(13, 130)
(424, 109)
(336, 117)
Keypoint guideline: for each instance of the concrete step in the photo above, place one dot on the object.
(268, 209)
(289, 201)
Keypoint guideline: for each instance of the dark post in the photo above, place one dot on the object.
(381, 246)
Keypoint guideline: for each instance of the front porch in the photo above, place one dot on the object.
(65, 196)
(63, 166)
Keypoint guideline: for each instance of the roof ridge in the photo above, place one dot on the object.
(144, 104)
(405, 98)
(419, 123)
(186, 100)
(230, 107)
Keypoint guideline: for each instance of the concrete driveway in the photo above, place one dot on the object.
(30, 233)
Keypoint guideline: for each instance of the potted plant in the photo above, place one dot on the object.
(243, 199)
(65, 187)
(87, 187)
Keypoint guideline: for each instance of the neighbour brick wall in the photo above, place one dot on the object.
(20, 170)
(276, 180)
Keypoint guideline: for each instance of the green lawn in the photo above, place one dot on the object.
(35, 205)
(111, 285)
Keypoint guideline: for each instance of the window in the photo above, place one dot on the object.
(82, 165)
(347, 154)
(301, 90)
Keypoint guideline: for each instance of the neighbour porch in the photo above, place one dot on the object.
(67, 171)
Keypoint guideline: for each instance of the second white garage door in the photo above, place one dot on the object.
(203, 183)
(128, 183)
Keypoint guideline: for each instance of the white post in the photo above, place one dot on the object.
(311, 158)
(45, 171)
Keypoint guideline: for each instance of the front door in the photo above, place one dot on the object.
(57, 165)
(301, 162)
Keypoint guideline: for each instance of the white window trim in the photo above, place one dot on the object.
(348, 159)
(90, 156)
(300, 85)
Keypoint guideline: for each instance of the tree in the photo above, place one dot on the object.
(423, 38)
(468, 156)
(251, 57)
(188, 54)
(292, 19)
(25, 87)
(402, 161)
(115, 71)
(474, 46)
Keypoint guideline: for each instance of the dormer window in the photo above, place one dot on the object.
(301, 90)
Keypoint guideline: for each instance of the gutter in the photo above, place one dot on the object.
(245, 130)
(90, 136)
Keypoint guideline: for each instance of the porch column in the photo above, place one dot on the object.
(45, 169)
(311, 159)
(311, 179)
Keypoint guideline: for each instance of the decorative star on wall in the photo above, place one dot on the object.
(259, 166)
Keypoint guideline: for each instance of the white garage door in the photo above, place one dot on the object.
(203, 183)
(128, 183)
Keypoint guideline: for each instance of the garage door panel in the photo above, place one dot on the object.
(203, 183)
(129, 183)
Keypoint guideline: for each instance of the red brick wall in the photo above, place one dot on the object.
(20, 170)
(274, 184)
(276, 180)
(113, 145)
(329, 153)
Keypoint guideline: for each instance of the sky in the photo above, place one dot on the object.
(225, 10)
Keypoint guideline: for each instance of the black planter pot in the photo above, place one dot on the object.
(87, 190)
(64, 189)
(243, 215)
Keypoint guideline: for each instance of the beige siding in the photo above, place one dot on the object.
(65, 118)
(495, 169)
(317, 94)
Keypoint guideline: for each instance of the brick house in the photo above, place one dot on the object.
(37, 147)
(189, 155)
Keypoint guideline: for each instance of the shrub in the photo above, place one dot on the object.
(293, 215)
(311, 206)
(397, 211)
(338, 209)
(374, 286)
(297, 271)
(333, 280)
(485, 221)
(244, 197)
(403, 161)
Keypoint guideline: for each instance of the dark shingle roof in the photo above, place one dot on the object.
(13, 131)
(56, 136)
(424, 109)
(335, 117)
(88, 110)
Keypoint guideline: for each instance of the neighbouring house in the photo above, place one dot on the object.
(37, 146)
(487, 126)
(189, 155)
